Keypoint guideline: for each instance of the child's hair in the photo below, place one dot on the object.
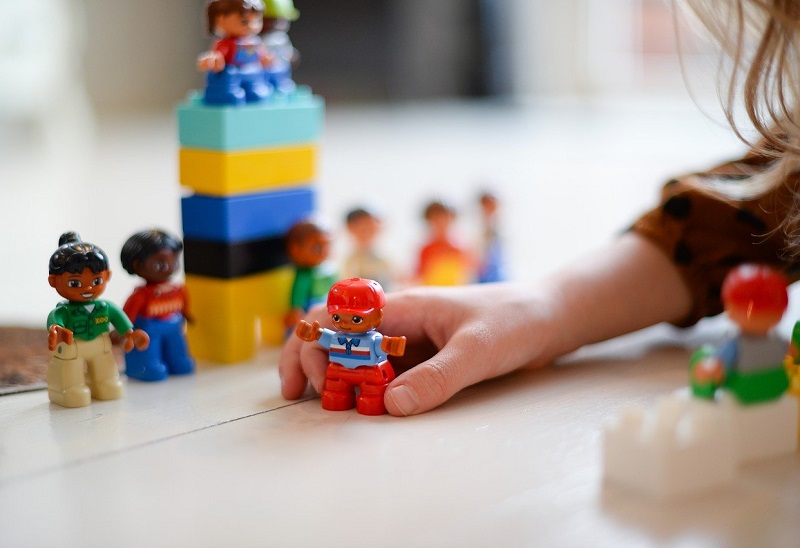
(143, 244)
(74, 256)
(216, 8)
(761, 38)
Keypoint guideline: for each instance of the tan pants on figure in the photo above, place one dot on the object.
(83, 370)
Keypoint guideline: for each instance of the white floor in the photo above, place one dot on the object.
(220, 459)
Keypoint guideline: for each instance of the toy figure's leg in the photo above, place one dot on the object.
(148, 365)
(65, 381)
(176, 353)
(281, 80)
(102, 373)
(375, 379)
(338, 394)
(255, 86)
(224, 88)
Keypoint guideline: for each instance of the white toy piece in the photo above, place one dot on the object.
(687, 445)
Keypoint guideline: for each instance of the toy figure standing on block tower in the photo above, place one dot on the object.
(357, 353)
(249, 160)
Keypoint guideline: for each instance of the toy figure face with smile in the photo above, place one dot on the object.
(158, 267)
(83, 287)
(238, 25)
(357, 323)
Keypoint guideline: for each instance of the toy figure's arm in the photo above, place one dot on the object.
(187, 315)
(215, 60)
(394, 346)
(56, 332)
(308, 332)
(133, 337)
(135, 304)
(706, 372)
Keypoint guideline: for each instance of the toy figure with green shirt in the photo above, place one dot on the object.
(308, 245)
(82, 366)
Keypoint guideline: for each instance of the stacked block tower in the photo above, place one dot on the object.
(250, 171)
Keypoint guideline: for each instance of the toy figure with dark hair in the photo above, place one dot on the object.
(308, 245)
(364, 226)
(750, 365)
(492, 263)
(82, 366)
(159, 307)
(358, 354)
(278, 17)
(236, 64)
(441, 260)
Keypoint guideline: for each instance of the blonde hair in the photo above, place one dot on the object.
(762, 40)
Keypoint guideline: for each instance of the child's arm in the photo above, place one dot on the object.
(461, 336)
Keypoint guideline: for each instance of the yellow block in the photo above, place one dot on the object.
(224, 173)
(232, 317)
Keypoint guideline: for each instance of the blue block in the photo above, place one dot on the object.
(277, 121)
(245, 216)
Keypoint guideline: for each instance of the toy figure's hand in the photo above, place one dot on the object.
(137, 338)
(292, 317)
(211, 61)
(116, 338)
(56, 335)
(266, 60)
(457, 336)
(308, 332)
(394, 346)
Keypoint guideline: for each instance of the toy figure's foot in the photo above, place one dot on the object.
(334, 400)
(257, 93)
(110, 389)
(185, 367)
(151, 373)
(287, 87)
(74, 396)
(370, 404)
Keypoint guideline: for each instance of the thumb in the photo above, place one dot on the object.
(433, 382)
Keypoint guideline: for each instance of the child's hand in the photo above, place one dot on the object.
(456, 337)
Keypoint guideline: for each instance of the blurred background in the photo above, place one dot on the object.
(572, 112)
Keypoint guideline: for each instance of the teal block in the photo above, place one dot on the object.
(280, 120)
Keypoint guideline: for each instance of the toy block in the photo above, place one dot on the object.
(233, 316)
(233, 260)
(247, 216)
(279, 121)
(764, 430)
(226, 173)
(683, 446)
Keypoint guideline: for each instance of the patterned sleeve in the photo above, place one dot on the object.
(709, 222)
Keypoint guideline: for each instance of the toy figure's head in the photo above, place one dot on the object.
(356, 305)
(488, 202)
(308, 244)
(152, 255)
(755, 297)
(78, 270)
(364, 226)
(279, 14)
(235, 18)
(439, 216)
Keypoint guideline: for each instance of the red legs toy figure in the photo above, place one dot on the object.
(357, 353)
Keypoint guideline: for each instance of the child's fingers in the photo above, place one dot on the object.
(301, 362)
(459, 364)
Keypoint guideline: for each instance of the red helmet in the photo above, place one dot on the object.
(356, 296)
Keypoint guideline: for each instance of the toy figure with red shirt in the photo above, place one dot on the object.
(158, 307)
(441, 260)
(358, 354)
(236, 64)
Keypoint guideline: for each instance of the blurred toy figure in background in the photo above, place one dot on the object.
(750, 365)
(358, 354)
(364, 227)
(159, 307)
(278, 17)
(237, 64)
(82, 366)
(441, 261)
(308, 245)
(492, 266)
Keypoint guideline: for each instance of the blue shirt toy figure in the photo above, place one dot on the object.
(159, 307)
(751, 365)
(82, 365)
(236, 66)
(492, 266)
(278, 17)
(358, 355)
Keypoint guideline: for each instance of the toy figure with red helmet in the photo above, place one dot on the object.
(358, 354)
